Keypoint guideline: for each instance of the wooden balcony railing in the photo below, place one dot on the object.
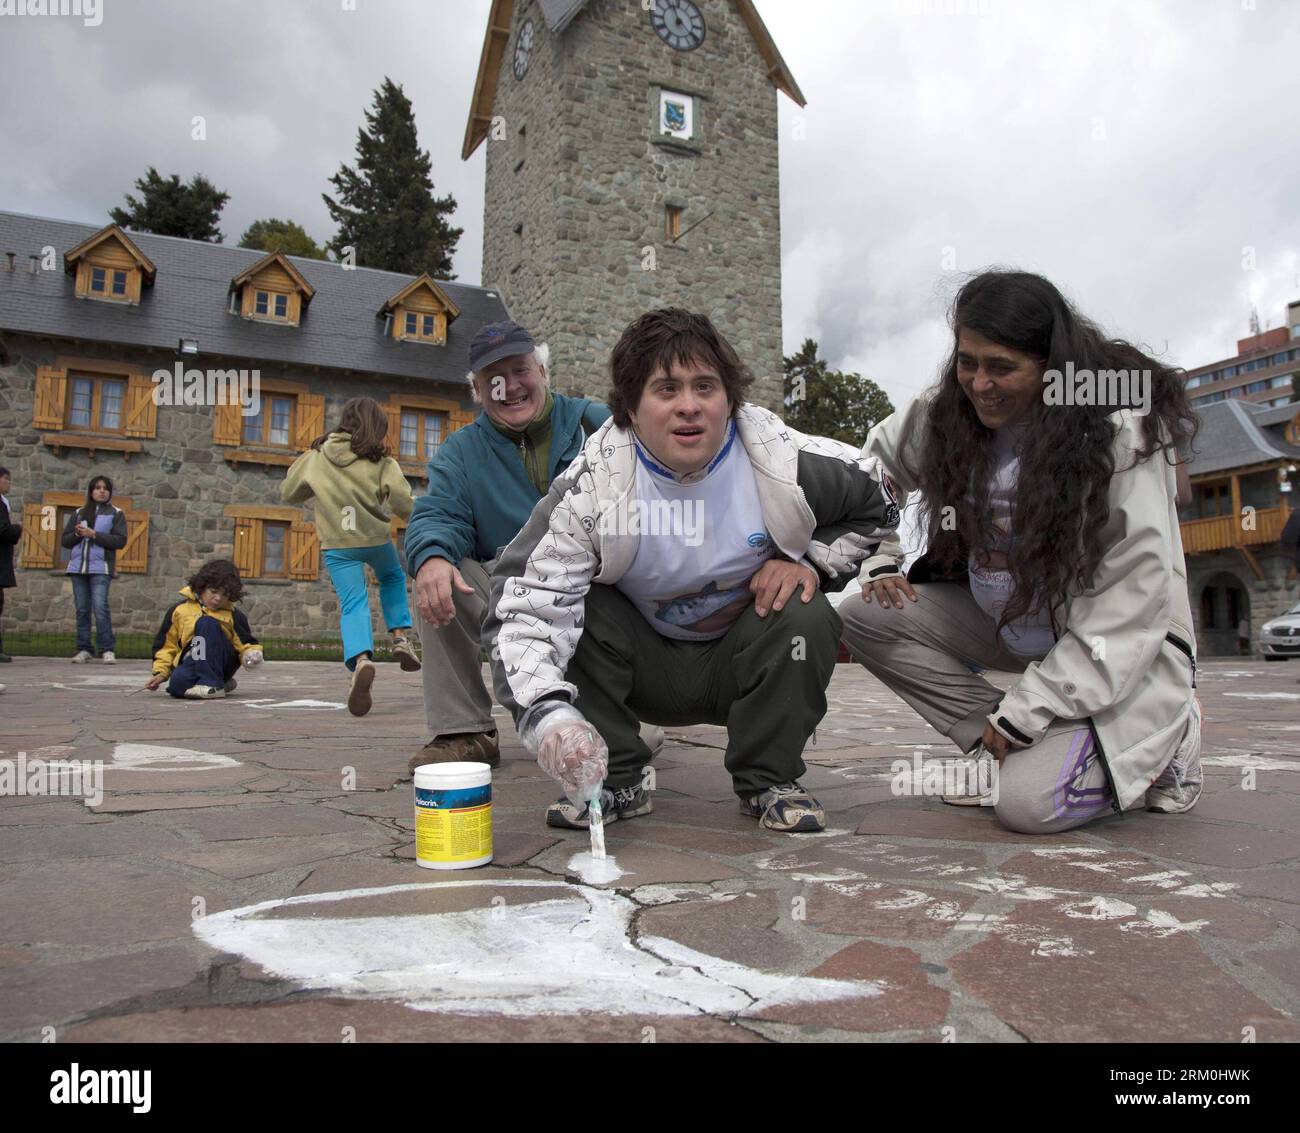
(1201, 536)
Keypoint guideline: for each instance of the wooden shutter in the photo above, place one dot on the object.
(394, 438)
(38, 545)
(141, 410)
(227, 425)
(134, 557)
(248, 547)
(311, 421)
(460, 418)
(303, 551)
(51, 398)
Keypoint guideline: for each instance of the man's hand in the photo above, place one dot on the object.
(997, 744)
(570, 751)
(153, 682)
(776, 580)
(252, 658)
(434, 595)
(889, 591)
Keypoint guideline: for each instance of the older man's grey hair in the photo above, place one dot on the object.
(541, 355)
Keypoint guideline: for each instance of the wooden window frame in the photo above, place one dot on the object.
(421, 416)
(263, 442)
(96, 403)
(250, 522)
(455, 416)
(132, 279)
(131, 559)
(436, 337)
(673, 222)
(278, 525)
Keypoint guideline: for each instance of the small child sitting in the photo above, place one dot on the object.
(203, 639)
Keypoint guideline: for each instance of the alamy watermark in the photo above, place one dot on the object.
(969, 777)
(1115, 389)
(67, 778)
(179, 386)
(91, 12)
(676, 519)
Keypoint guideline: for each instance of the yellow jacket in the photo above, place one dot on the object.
(178, 628)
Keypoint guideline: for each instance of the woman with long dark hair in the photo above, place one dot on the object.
(356, 484)
(1045, 460)
(95, 532)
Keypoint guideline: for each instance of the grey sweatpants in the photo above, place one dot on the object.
(455, 698)
(925, 653)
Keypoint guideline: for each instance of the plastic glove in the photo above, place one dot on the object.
(570, 751)
(252, 658)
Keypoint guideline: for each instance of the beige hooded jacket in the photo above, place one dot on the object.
(1125, 651)
(353, 496)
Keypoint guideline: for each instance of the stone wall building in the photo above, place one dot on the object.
(1245, 475)
(89, 317)
(632, 163)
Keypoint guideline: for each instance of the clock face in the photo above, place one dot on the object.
(523, 49)
(678, 23)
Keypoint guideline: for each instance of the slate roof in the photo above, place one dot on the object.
(190, 298)
(1236, 433)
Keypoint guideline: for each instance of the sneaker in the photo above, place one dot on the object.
(407, 657)
(363, 676)
(1178, 787)
(653, 736)
(975, 773)
(81, 656)
(625, 802)
(464, 747)
(204, 692)
(109, 657)
(4, 657)
(786, 807)
(231, 685)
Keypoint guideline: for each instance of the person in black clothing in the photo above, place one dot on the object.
(10, 533)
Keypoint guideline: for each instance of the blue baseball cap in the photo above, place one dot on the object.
(496, 341)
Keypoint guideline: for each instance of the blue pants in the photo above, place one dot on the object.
(347, 572)
(216, 665)
(90, 591)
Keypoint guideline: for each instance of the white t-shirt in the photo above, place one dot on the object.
(700, 544)
(991, 586)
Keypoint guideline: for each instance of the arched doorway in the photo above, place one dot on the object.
(1224, 604)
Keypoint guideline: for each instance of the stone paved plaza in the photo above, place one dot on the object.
(237, 882)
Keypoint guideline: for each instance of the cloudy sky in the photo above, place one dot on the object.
(1140, 154)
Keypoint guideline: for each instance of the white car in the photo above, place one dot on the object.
(1279, 638)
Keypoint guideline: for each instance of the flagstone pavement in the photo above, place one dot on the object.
(249, 874)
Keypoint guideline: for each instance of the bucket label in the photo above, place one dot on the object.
(453, 826)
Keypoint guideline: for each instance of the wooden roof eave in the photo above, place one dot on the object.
(111, 231)
(777, 71)
(424, 279)
(279, 259)
(489, 67)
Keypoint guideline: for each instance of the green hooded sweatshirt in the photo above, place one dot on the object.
(353, 496)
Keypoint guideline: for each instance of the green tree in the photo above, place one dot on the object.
(828, 403)
(272, 235)
(386, 209)
(168, 208)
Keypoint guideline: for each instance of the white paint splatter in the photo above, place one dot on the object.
(1168, 879)
(311, 705)
(1257, 762)
(148, 757)
(907, 899)
(829, 875)
(1015, 888)
(1069, 852)
(568, 955)
(1161, 924)
(1265, 695)
(593, 870)
(944, 911)
(1207, 889)
(1100, 909)
(1061, 946)
(855, 889)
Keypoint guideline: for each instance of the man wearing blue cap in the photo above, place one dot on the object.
(483, 482)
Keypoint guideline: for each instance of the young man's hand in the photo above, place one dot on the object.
(153, 682)
(889, 591)
(435, 583)
(252, 658)
(776, 580)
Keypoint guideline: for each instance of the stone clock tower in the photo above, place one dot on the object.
(632, 163)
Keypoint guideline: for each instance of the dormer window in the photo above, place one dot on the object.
(420, 312)
(110, 267)
(272, 291)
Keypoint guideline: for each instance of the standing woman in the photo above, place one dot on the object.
(356, 482)
(95, 533)
(1054, 552)
(10, 533)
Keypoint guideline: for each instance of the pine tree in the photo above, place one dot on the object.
(386, 209)
(272, 235)
(828, 403)
(168, 208)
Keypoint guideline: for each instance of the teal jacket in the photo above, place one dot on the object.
(479, 495)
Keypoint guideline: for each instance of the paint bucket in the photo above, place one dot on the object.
(453, 815)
